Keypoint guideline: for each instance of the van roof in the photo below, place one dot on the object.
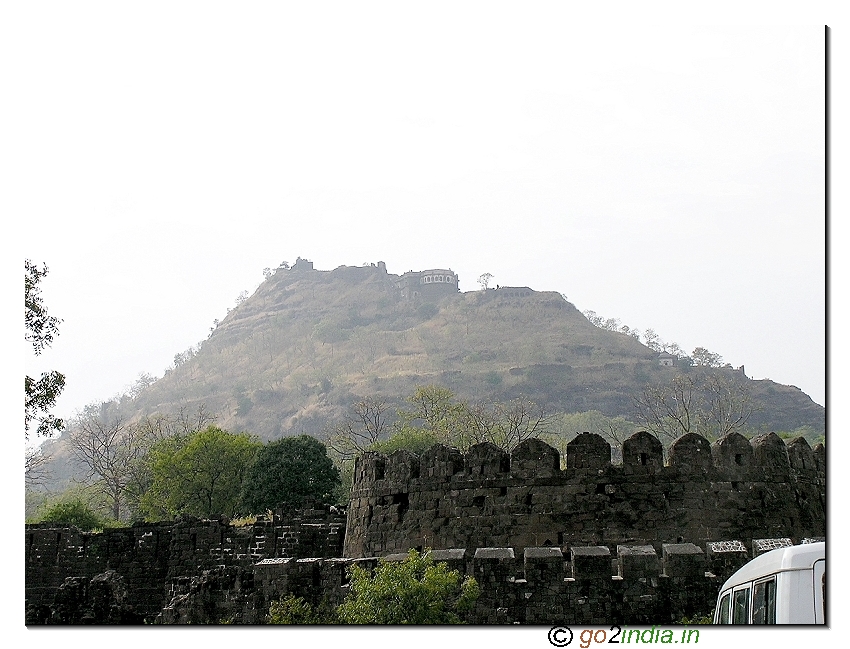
(796, 557)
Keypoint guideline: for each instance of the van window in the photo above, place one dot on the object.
(741, 606)
(724, 617)
(764, 602)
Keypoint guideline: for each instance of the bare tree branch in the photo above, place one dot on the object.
(705, 402)
(35, 467)
(367, 424)
(113, 452)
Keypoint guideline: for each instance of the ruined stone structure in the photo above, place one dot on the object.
(514, 291)
(642, 542)
(156, 561)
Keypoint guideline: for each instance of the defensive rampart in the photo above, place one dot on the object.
(642, 542)
(733, 489)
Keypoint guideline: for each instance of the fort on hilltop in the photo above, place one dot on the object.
(430, 284)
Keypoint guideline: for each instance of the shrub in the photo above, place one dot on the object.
(414, 591)
(75, 513)
(293, 610)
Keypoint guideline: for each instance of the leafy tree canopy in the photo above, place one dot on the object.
(704, 358)
(201, 474)
(39, 329)
(289, 472)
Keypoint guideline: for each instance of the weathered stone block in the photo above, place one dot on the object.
(819, 452)
(725, 557)
(800, 456)
(591, 562)
(691, 453)
(733, 455)
(642, 453)
(770, 453)
(440, 461)
(401, 467)
(682, 560)
(534, 458)
(486, 460)
(455, 558)
(588, 451)
(636, 561)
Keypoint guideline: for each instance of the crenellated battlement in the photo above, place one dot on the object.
(487, 498)
(540, 585)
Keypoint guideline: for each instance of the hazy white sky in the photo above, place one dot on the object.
(670, 175)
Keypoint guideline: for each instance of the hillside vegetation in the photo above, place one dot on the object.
(296, 354)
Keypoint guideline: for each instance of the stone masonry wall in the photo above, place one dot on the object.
(541, 586)
(642, 542)
(486, 498)
(156, 560)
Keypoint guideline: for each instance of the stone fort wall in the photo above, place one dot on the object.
(642, 542)
(156, 560)
(733, 489)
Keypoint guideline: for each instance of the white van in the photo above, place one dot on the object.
(783, 586)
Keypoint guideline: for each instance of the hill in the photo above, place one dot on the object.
(293, 356)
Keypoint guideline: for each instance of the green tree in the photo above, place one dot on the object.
(436, 415)
(564, 427)
(651, 340)
(437, 411)
(289, 472)
(506, 424)
(39, 329)
(201, 475)
(414, 591)
(456, 422)
(408, 439)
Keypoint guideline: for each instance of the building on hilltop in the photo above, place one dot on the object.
(302, 264)
(424, 284)
(514, 291)
(666, 360)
